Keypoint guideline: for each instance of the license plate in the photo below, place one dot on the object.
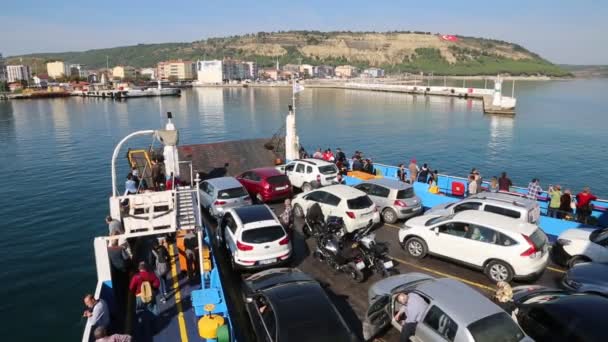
(388, 264)
(330, 178)
(367, 214)
(282, 187)
(267, 261)
(360, 265)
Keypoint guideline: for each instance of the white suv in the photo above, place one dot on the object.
(581, 245)
(254, 237)
(307, 174)
(504, 248)
(352, 205)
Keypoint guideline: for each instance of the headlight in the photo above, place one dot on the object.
(563, 242)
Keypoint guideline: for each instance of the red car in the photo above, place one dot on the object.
(266, 184)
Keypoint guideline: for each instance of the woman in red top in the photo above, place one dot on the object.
(583, 204)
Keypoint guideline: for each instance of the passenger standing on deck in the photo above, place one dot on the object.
(340, 156)
(114, 226)
(555, 193)
(130, 187)
(286, 218)
(191, 245)
(534, 189)
(413, 171)
(161, 269)
(413, 307)
(318, 154)
(97, 312)
(494, 184)
(143, 285)
(504, 182)
(565, 204)
(156, 174)
(478, 179)
(472, 188)
(135, 173)
(169, 182)
(401, 174)
(583, 204)
(357, 165)
(423, 175)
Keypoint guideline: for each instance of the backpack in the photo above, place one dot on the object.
(161, 261)
(145, 292)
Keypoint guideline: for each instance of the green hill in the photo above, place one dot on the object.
(397, 52)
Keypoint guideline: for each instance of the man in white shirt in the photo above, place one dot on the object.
(413, 306)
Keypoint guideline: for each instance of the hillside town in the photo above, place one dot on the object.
(61, 76)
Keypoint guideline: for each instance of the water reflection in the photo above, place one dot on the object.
(7, 126)
(501, 136)
(211, 111)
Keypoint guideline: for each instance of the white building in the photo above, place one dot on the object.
(40, 82)
(253, 70)
(148, 72)
(56, 69)
(17, 73)
(307, 70)
(374, 72)
(78, 70)
(2, 69)
(209, 72)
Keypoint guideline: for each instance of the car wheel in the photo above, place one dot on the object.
(498, 271)
(416, 247)
(354, 274)
(389, 215)
(259, 198)
(298, 211)
(578, 259)
(306, 187)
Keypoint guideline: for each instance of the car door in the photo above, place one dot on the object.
(203, 191)
(299, 174)
(230, 232)
(331, 204)
(484, 245)
(379, 195)
(290, 171)
(377, 317)
(436, 326)
(450, 240)
(245, 179)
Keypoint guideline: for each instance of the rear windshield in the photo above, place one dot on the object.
(263, 234)
(599, 236)
(328, 169)
(539, 239)
(232, 193)
(498, 327)
(405, 193)
(277, 180)
(362, 202)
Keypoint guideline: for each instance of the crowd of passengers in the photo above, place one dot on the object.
(562, 205)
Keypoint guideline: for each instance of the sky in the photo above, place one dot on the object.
(562, 31)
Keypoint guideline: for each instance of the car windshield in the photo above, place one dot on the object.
(263, 234)
(438, 219)
(405, 193)
(599, 236)
(362, 202)
(277, 180)
(539, 239)
(328, 169)
(498, 327)
(232, 193)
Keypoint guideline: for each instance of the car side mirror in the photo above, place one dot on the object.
(436, 230)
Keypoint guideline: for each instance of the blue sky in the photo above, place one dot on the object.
(561, 31)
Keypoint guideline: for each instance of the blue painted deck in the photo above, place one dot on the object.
(552, 226)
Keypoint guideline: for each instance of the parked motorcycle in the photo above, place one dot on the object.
(375, 254)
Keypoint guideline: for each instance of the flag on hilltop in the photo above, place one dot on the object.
(297, 87)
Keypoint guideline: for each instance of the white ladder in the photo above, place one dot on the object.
(186, 206)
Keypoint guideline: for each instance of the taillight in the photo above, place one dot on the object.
(530, 251)
(400, 203)
(219, 202)
(243, 247)
(350, 214)
(284, 241)
(376, 208)
(318, 178)
(266, 185)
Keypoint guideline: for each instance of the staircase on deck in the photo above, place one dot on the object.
(186, 208)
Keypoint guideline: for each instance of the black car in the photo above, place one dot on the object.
(285, 304)
(554, 315)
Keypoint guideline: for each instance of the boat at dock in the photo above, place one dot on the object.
(127, 92)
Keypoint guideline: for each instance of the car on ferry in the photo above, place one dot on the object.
(503, 247)
(455, 312)
(286, 305)
(517, 207)
(553, 315)
(354, 206)
(310, 173)
(396, 200)
(578, 245)
(266, 184)
(587, 277)
(222, 193)
(254, 237)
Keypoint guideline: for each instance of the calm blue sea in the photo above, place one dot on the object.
(55, 160)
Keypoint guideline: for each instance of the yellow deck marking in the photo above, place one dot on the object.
(178, 298)
(481, 286)
(549, 268)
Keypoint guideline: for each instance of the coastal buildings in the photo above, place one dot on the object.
(324, 71)
(306, 70)
(269, 73)
(2, 69)
(78, 70)
(148, 73)
(346, 71)
(16, 73)
(40, 81)
(209, 72)
(121, 72)
(175, 70)
(56, 69)
(291, 68)
(373, 72)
